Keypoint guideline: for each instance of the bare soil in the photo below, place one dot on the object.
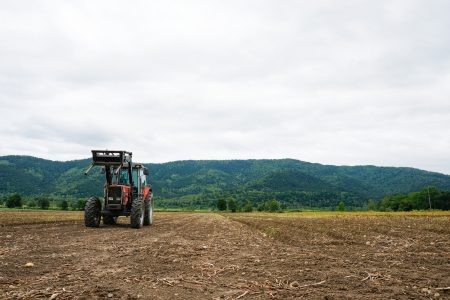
(230, 256)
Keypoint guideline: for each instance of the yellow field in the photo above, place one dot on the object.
(16, 217)
(333, 214)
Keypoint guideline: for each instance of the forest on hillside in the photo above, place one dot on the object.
(200, 184)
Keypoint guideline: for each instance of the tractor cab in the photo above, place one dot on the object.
(123, 187)
(138, 175)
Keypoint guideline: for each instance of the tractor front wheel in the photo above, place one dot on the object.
(137, 213)
(92, 212)
(148, 214)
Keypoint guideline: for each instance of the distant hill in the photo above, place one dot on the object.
(201, 183)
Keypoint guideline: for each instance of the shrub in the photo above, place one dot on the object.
(221, 204)
(15, 200)
(371, 205)
(232, 205)
(64, 205)
(81, 204)
(273, 205)
(341, 206)
(44, 203)
(248, 207)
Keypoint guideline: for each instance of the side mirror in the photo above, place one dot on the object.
(102, 170)
(146, 172)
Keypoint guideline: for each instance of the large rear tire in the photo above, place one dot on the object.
(92, 212)
(148, 214)
(109, 220)
(137, 213)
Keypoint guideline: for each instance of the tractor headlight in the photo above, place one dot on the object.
(110, 198)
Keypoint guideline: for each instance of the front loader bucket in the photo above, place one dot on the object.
(110, 158)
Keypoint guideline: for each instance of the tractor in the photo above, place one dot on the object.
(126, 191)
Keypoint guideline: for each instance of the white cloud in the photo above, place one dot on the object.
(354, 82)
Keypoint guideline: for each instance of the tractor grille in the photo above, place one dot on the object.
(114, 195)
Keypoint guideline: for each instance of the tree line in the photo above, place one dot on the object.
(427, 198)
(232, 205)
(16, 200)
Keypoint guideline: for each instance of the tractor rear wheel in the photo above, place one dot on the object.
(92, 212)
(148, 214)
(137, 213)
(109, 220)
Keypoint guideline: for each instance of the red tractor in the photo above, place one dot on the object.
(126, 191)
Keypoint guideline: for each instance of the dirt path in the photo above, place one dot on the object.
(186, 256)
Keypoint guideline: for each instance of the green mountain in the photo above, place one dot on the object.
(201, 183)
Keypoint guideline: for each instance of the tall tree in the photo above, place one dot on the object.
(341, 206)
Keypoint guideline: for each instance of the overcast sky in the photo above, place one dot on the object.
(334, 82)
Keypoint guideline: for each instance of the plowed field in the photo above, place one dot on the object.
(229, 256)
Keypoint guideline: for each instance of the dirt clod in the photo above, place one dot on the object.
(54, 296)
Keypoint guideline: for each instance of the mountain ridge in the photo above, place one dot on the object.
(200, 183)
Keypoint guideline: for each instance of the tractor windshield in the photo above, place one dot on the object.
(124, 178)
